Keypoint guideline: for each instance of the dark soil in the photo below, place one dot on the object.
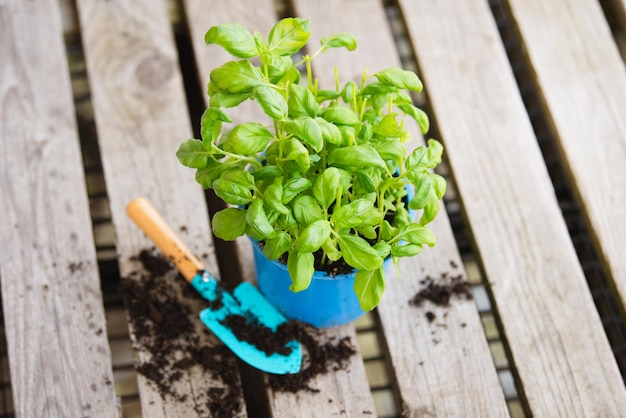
(333, 269)
(441, 290)
(165, 328)
(318, 357)
(250, 330)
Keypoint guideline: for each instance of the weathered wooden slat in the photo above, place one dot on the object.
(553, 330)
(53, 313)
(343, 392)
(582, 80)
(141, 117)
(443, 368)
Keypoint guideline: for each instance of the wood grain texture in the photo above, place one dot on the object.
(53, 313)
(553, 330)
(343, 392)
(582, 80)
(442, 368)
(141, 116)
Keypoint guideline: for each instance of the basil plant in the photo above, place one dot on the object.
(326, 179)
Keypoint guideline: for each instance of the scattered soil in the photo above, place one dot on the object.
(166, 328)
(250, 330)
(441, 290)
(318, 357)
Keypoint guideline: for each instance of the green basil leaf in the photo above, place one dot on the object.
(416, 234)
(418, 114)
(389, 127)
(417, 160)
(273, 196)
(387, 232)
(330, 131)
(257, 220)
(390, 150)
(353, 214)
(439, 184)
(248, 138)
(294, 187)
(229, 223)
(313, 236)
(349, 91)
(291, 76)
(289, 35)
(224, 99)
(277, 67)
(240, 177)
(341, 40)
(368, 232)
(277, 245)
(207, 175)
(423, 183)
(237, 77)
(382, 248)
(434, 153)
(358, 253)
(330, 250)
(366, 181)
(407, 250)
(379, 102)
(234, 38)
(296, 152)
(211, 120)
(366, 132)
(324, 95)
(287, 221)
(192, 153)
(212, 88)
(231, 192)
(302, 102)
(399, 78)
(341, 115)
(369, 286)
(326, 186)
(267, 172)
(307, 131)
(356, 156)
(301, 269)
(272, 102)
(377, 88)
(400, 219)
(430, 210)
(306, 210)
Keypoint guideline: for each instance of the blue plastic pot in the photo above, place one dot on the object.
(329, 301)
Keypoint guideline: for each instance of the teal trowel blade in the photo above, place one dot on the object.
(246, 300)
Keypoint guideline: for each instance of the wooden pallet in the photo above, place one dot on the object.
(58, 351)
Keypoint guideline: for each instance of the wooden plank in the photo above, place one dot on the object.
(53, 313)
(440, 371)
(343, 392)
(582, 80)
(141, 117)
(553, 330)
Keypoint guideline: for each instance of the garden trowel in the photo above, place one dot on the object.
(245, 300)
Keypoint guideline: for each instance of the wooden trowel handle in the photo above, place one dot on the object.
(150, 221)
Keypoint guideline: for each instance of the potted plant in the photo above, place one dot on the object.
(322, 188)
